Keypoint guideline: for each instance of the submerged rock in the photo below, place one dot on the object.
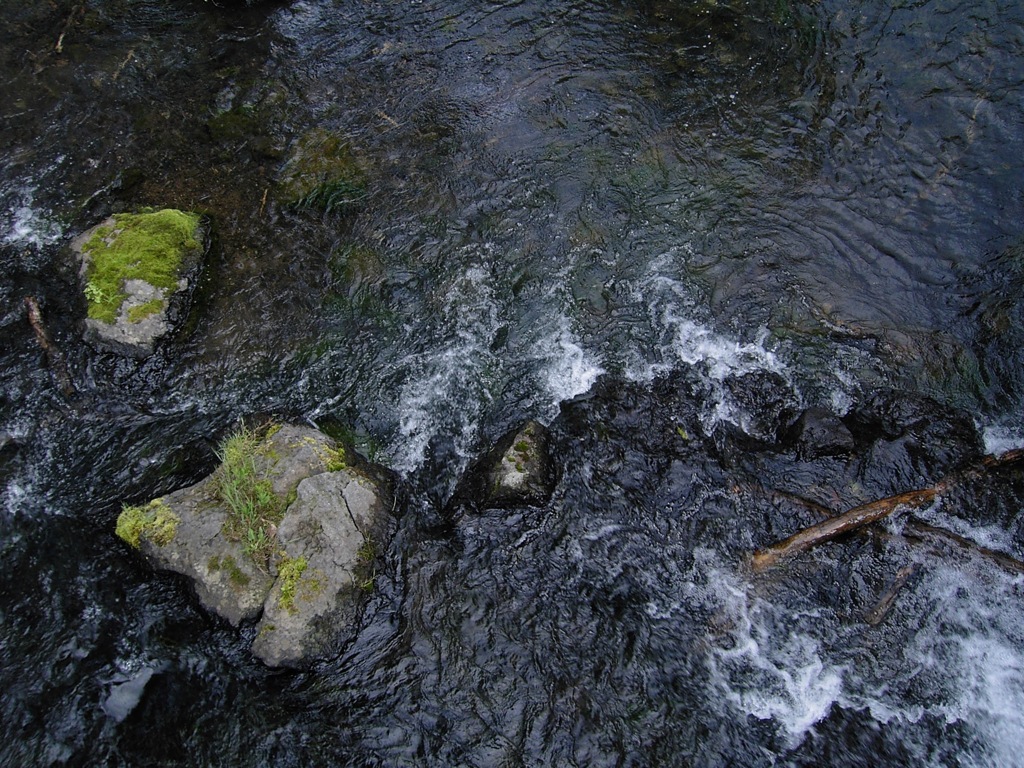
(312, 517)
(517, 471)
(322, 173)
(763, 402)
(138, 272)
(819, 432)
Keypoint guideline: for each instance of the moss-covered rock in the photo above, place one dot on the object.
(305, 579)
(322, 173)
(138, 270)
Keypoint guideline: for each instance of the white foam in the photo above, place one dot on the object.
(28, 225)
(567, 369)
(1000, 438)
(682, 338)
(964, 665)
(991, 536)
(993, 695)
(765, 673)
(448, 385)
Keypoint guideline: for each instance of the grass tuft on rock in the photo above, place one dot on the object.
(243, 487)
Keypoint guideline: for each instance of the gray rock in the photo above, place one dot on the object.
(225, 578)
(310, 593)
(328, 538)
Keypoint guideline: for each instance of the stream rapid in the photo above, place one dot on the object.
(826, 196)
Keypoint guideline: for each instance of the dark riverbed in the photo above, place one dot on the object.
(696, 219)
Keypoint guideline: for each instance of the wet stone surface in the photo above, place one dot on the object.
(517, 471)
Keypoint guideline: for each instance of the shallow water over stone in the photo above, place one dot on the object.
(733, 210)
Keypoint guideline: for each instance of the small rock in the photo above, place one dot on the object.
(819, 432)
(763, 403)
(138, 271)
(517, 471)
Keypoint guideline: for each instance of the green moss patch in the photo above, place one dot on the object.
(150, 308)
(154, 522)
(236, 123)
(294, 584)
(228, 564)
(322, 173)
(149, 246)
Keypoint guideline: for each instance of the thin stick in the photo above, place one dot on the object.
(53, 356)
(923, 530)
(35, 319)
(59, 47)
(880, 611)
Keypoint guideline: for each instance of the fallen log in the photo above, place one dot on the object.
(872, 512)
(829, 529)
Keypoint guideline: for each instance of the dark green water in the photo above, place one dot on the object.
(828, 192)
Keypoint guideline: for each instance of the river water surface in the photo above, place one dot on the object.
(829, 194)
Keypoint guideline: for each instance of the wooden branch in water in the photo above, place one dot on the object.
(78, 9)
(881, 610)
(829, 529)
(35, 319)
(53, 355)
(924, 530)
(874, 511)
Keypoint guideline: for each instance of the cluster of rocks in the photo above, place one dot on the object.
(307, 595)
(302, 579)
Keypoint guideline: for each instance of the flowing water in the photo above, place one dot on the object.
(824, 194)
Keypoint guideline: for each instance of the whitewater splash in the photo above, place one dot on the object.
(1000, 438)
(766, 662)
(24, 223)
(963, 665)
(449, 386)
(448, 389)
(567, 369)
